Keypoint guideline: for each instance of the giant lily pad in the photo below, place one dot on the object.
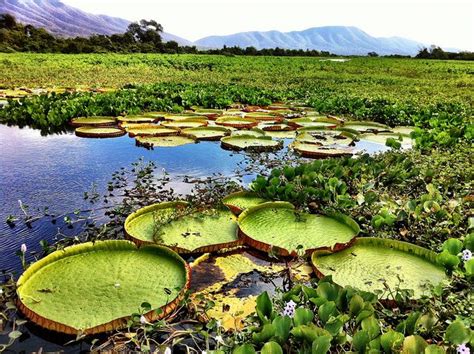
(318, 151)
(239, 201)
(373, 264)
(183, 116)
(311, 122)
(381, 138)
(138, 119)
(95, 287)
(250, 143)
(185, 123)
(252, 132)
(149, 129)
(93, 121)
(325, 137)
(207, 133)
(280, 228)
(104, 132)
(209, 113)
(164, 141)
(367, 127)
(237, 122)
(174, 225)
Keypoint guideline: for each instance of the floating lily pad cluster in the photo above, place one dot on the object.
(249, 128)
(61, 292)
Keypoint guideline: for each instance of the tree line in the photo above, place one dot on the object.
(146, 37)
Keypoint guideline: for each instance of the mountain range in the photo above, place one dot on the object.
(64, 20)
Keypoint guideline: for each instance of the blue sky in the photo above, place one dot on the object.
(446, 23)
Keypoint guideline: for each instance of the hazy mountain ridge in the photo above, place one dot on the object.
(334, 39)
(65, 20)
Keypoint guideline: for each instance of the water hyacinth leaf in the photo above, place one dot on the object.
(371, 325)
(434, 349)
(264, 307)
(469, 241)
(453, 246)
(282, 325)
(448, 260)
(309, 332)
(328, 291)
(267, 332)
(321, 345)
(361, 340)
(469, 267)
(278, 227)
(246, 348)
(408, 326)
(356, 304)
(50, 296)
(457, 333)
(414, 344)
(372, 265)
(327, 310)
(303, 316)
(271, 348)
(391, 341)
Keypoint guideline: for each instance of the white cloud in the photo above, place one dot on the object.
(446, 23)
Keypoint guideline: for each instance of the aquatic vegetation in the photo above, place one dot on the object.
(103, 132)
(250, 143)
(239, 201)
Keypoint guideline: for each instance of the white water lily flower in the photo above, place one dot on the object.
(23, 248)
(466, 255)
(463, 349)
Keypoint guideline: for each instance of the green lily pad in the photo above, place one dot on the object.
(183, 116)
(237, 122)
(381, 138)
(93, 121)
(311, 122)
(325, 137)
(209, 113)
(250, 143)
(367, 127)
(207, 133)
(104, 132)
(275, 127)
(286, 134)
(239, 201)
(138, 119)
(403, 130)
(263, 117)
(150, 129)
(278, 227)
(185, 123)
(174, 225)
(318, 151)
(372, 262)
(252, 132)
(164, 141)
(95, 287)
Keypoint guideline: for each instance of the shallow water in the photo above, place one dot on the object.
(55, 171)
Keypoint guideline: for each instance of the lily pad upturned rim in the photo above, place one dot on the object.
(226, 144)
(316, 151)
(412, 249)
(117, 323)
(97, 132)
(147, 209)
(82, 121)
(266, 247)
(138, 119)
(216, 137)
(165, 205)
(157, 130)
(234, 208)
(236, 122)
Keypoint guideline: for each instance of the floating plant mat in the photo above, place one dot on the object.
(174, 225)
(252, 132)
(207, 133)
(324, 137)
(286, 134)
(209, 113)
(280, 228)
(95, 287)
(150, 129)
(381, 138)
(93, 121)
(249, 142)
(233, 280)
(361, 126)
(311, 122)
(239, 201)
(184, 116)
(275, 127)
(371, 262)
(317, 151)
(164, 141)
(104, 132)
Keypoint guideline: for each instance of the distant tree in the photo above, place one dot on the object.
(7, 21)
(372, 54)
(146, 31)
